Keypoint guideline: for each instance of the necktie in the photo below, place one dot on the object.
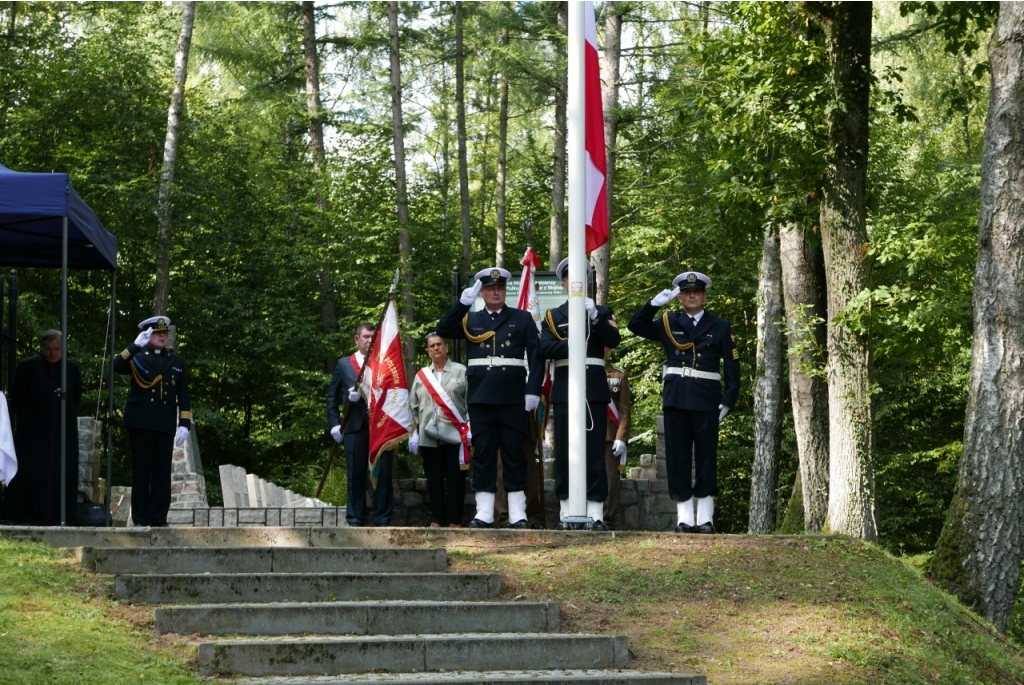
(692, 325)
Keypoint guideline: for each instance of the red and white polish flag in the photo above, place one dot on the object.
(386, 391)
(597, 165)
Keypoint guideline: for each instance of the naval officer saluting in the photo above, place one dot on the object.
(158, 415)
(696, 344)
(504, 374)
(602, 332)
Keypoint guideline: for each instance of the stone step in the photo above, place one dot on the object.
(358, 618)
(567, 677)
(166, 560)
(210, 588)
(410, 653)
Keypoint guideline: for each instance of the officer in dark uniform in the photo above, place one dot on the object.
(158, 415)
(617, 437)
(601, 332)
(696, 344)
(341, 393)
(504, 373)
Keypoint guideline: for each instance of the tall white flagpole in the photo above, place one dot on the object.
(576, 109)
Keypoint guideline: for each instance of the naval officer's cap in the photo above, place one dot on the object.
(689, 280)
(493, 276)
(562, 270)
(157, 323)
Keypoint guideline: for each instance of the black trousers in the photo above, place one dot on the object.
(357, 469)
(446, 483)
(597, 426)
(691, 436)
(151, 476)
(498, 427)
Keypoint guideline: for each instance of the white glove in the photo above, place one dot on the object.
(664, 297)
(618, 448)
(336, 433)
(532, 401)
(143, 338)
(722, 411)
(353, 395)
(470, 293)
(591, 309)
(414, 442)
(180, 437)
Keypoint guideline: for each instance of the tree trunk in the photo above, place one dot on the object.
(978, 556)
(314, 110)
(803, 268)
(499, 240)
(561, 132)
(851, 504)
(163, 238)
(404, 243)
(768, 388)
(460, 123)
(610, 97)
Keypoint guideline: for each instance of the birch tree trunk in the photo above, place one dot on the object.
(499, 240)
(851, 504)
(802, 275)
(460, 125)
(610, 97)
(162, 290)
(561, 133)
(978, 556)
(767, 388)
(404, 243)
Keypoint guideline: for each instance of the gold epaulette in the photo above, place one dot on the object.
(552, 327)
(682, 347)
(475, 338)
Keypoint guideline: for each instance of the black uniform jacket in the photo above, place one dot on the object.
(710, 344)
(345, 375)
(158, 398)
(512, 334)
(554, 344)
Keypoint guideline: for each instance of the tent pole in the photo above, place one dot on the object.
(64, 375)
(110, 397)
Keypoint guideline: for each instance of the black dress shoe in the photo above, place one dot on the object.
(537, 526)
(477, 523)
(706, 528)
(684, 528)
(599, 526)
(560, 525)
(519, 525)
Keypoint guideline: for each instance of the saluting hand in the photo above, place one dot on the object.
(470, 293)
(664, 297)
(143, 339)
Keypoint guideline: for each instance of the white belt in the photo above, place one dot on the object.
(687, 372)
(497, 361)
(591, 361)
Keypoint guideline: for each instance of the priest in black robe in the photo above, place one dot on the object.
(34, 495)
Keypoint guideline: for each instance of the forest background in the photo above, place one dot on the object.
(276, 255)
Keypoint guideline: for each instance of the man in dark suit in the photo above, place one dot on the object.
(34, 496)
(504, 373)
(158, 414)
(696, 344)
(341, 393)
(601, 332)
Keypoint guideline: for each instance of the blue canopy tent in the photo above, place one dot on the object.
(44, 223)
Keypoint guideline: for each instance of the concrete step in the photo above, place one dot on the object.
(411, 653)
(166, 560)
(358, 618)
(568, 677)
(219, 588)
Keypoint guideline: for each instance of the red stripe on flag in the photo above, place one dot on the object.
(597, 165)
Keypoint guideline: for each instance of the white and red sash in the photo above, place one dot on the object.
(613, 412)
(444, 401)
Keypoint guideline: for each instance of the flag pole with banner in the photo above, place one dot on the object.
(588, 228)
(385, 388)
